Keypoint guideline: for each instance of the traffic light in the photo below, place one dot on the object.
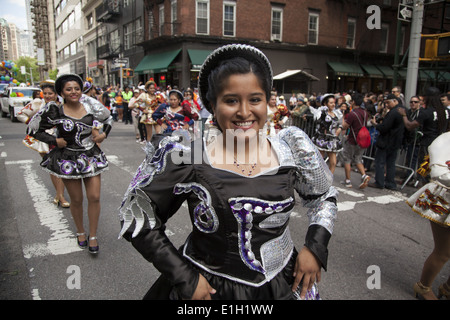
(127, 73)
(437, 47)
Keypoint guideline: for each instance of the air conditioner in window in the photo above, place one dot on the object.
(276, 37)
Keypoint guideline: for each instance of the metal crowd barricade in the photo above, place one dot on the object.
(307, 123)
(402, 161)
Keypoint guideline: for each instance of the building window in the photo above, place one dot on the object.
(313, 28)
(65, 26)
(90, 21)
(161, 19)
(173, 16)
(128, 36)
(229, 19)
(351, 33)
(92, 51)
(71, 19)
(202, 17)
(277, 24)
(66, 52)
(384, 37)
(115, 40)
(139, 33)
(73, 48)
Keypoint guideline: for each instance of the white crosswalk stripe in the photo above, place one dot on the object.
(62, 239)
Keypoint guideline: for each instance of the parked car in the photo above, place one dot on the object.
(14, 99)
(2, 88)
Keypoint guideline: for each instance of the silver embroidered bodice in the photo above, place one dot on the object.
(240, 224)
(76, 131)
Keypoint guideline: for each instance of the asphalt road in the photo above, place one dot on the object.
(376, 252)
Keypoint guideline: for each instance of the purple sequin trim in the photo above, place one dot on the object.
(243, 209)
(205, 218)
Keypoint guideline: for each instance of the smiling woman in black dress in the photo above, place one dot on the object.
(240, 196)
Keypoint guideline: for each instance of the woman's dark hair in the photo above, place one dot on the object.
(326, 99)
(347, 108)
(432, 99)
(71, 78)
(36, 94)
(62, 80)
(49, 86)
(226, 68)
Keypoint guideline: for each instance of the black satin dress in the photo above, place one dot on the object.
(240, 240)
(81, 158)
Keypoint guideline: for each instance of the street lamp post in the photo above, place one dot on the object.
(414, 49)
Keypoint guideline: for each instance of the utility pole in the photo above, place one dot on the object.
(414, 49)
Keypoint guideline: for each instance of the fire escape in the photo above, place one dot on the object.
(107, 13)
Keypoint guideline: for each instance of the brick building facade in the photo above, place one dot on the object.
(326, 45)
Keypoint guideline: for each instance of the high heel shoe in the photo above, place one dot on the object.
(443, 291)
(95, 249)
(64, 204)
(420, 290)
(82, 244)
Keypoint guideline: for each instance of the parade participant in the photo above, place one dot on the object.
(175, 115)
(49, 94)
(432, 202)
(148, 102)
(89, 88)
(329, 127)
(76, 157)
(191, 101)
(136, 114)
(277, 115)
(239, 202)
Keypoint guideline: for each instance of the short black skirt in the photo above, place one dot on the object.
(75, 164)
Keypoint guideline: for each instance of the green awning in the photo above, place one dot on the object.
(402, 73)
(346, 69)
(387, 71)
(372, 71)
(156, 62)
(198, 57)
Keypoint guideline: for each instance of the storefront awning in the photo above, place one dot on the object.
(387, 71)
(198, 57)
(298, 72)
(156, 62)
(372, 71)
(346, 69)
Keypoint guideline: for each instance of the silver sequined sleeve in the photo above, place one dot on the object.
(314, 179)
(100, 112)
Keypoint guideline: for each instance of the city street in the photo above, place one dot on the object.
(376, 252)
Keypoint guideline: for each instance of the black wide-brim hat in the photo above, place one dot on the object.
(228, 52)
(59, 81)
